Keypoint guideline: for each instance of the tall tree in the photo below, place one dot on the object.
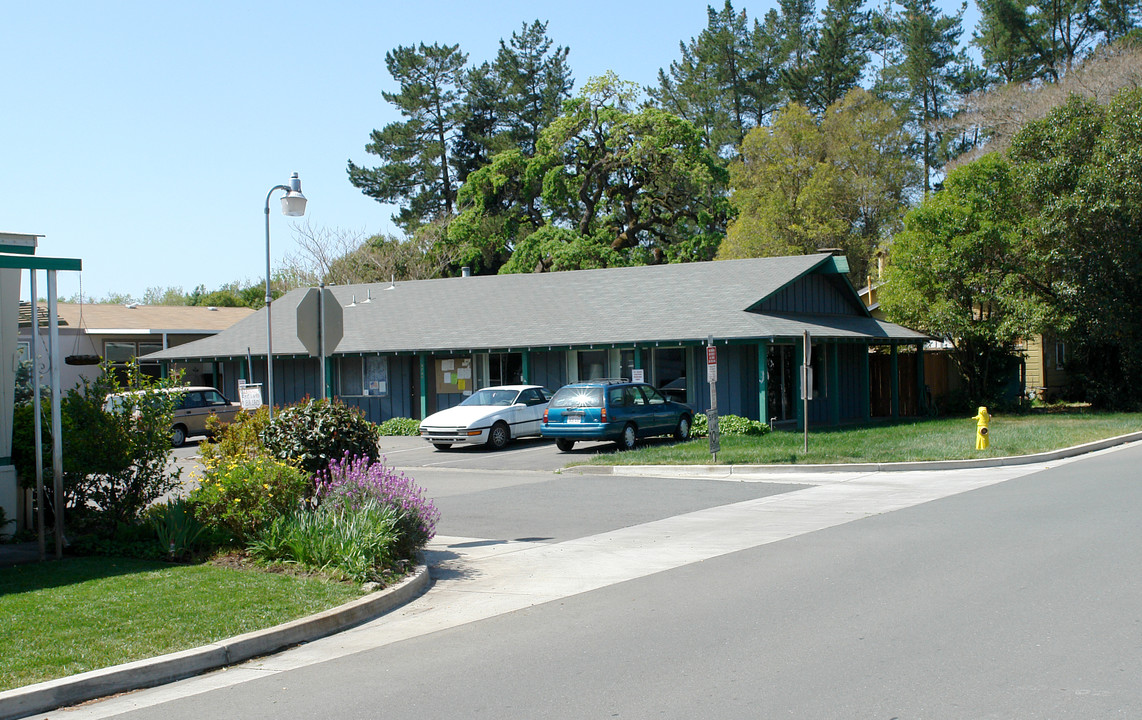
(536, 79)
(839, 54)
(1021, 40)
(1003, 37)
(480, 135)
(927, 73)
(956, 272)
(1081, 166)
(725, 81)
(418, 172)
(608, 185)
(509, 101)
(801, 185)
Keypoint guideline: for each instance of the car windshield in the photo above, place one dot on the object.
(574, 397)
(490, 396)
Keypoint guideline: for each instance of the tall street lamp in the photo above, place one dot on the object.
(293, 205)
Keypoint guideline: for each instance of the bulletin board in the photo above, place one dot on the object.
(454, 375)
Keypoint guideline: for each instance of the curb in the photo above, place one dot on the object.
(724, 471)
(139, 674)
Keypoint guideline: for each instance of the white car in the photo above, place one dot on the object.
(491, 416)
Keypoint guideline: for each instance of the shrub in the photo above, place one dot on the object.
(314, 432)
(241, 495)
(728, 425)
(176, 528)
(115, 463)
(354, 543)
(399, 426)
(354, 483)
(241, 438)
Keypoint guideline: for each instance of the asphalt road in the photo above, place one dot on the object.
(1018, 599)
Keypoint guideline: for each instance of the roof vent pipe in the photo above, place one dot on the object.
(465, 271)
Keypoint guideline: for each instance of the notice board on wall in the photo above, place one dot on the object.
(454, 375)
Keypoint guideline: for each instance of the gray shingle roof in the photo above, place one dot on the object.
(646, 304)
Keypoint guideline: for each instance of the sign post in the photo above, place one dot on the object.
(320, 325)
(806, 385)
(712, 413)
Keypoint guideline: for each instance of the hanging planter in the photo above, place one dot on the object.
(83, 359)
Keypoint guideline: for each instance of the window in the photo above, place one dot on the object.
(670, 372)
(365, 376)
(652, 396)
(1060, 355)
(352, 376)
(592, 364)
(531, 396)
(505, 369)
(213, 397)
(120, 352)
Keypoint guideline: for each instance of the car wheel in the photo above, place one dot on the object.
(682, 432)
(564, 444)
(178, 436)
(441, 446)
(499, 436)
(628, 438)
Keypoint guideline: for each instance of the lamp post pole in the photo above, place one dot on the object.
(293, 205)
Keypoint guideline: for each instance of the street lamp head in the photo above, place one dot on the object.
(293, 203)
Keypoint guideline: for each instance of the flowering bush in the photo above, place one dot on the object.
(240, 495)
(352, 483)
(241, 438)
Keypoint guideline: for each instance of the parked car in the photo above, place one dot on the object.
(195, 405)
(493, 416)
(617, 410)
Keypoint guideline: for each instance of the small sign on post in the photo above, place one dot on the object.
(713, 433)
(250, 395)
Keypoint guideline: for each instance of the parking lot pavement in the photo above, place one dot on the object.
(525, 454)
(535, 454)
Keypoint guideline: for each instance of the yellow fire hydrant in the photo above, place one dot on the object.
(981, 421)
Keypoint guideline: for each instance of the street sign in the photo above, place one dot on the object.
(806, 382)
(711, 363)
(308, 322)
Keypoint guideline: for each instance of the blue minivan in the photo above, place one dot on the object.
(617, 410)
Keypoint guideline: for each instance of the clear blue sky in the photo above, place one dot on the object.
(143, 137)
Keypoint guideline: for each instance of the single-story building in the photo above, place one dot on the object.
(411, 348)
(90, 332)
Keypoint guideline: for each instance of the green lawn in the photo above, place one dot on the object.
(942, 439)
(78, 614)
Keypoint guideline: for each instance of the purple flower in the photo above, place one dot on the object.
(350, 482)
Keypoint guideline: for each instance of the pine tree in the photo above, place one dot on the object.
(418, 173)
